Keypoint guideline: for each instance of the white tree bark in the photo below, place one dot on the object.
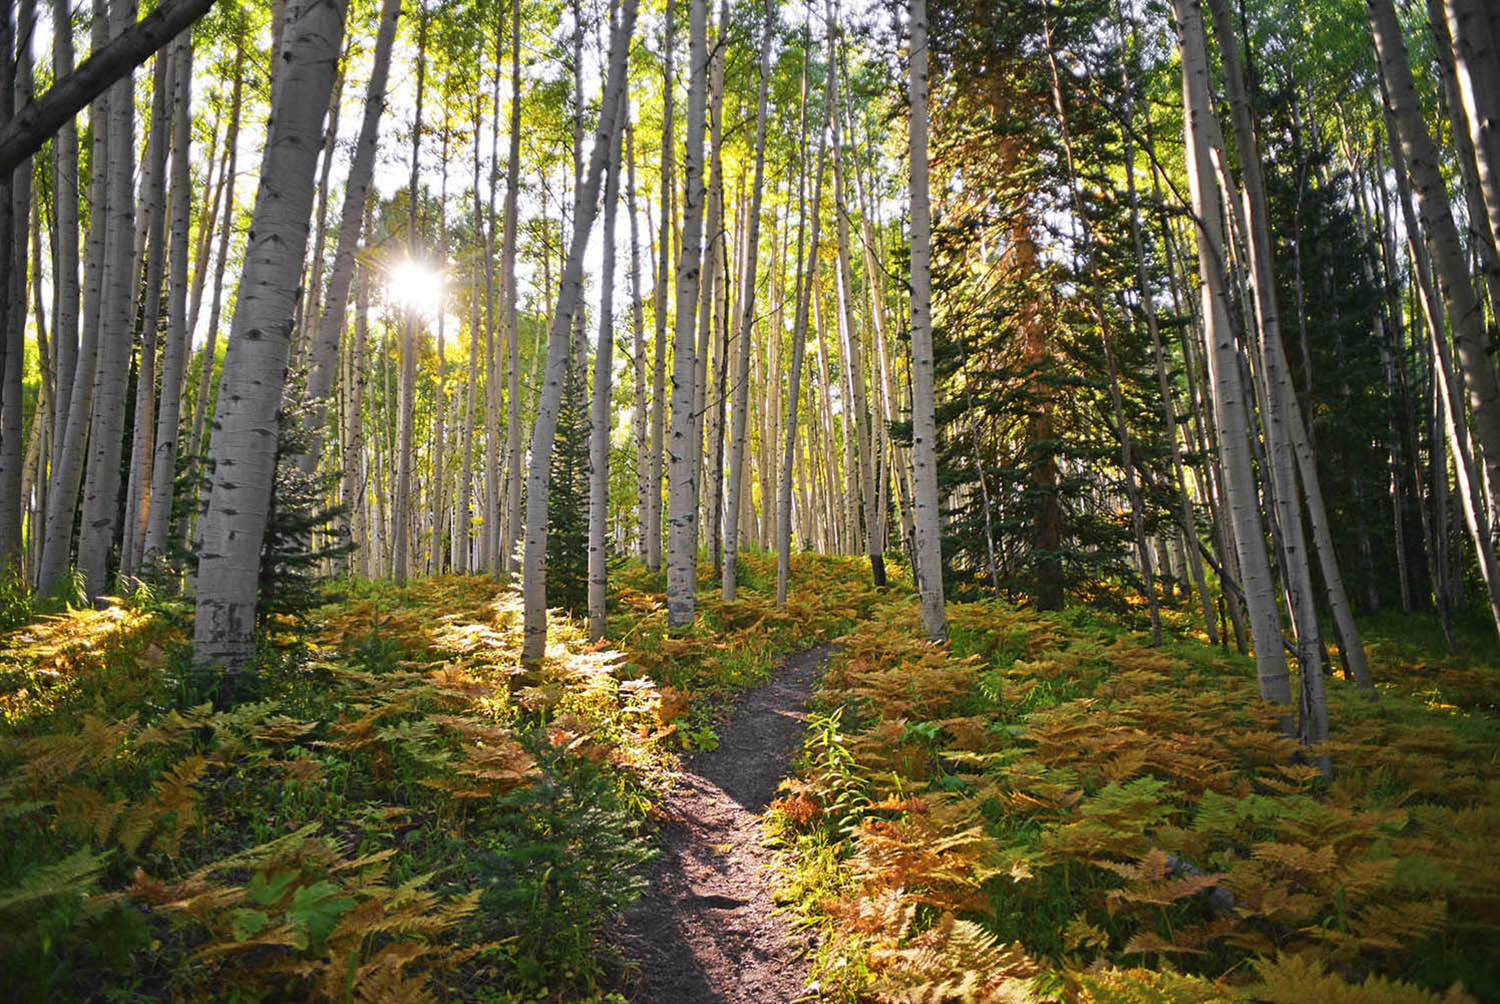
(325, 345)
(739, 421)
(243, 451)
(68, 460)
(534, 571)
(929, 571)
(164, 463)
(1230, 403)
(682, 459)
(101, 489)
(599, 429)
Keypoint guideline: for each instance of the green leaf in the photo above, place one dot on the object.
(317, 909)
(248, 923)
(267, 889)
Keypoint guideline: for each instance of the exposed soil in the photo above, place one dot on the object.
(707, 931)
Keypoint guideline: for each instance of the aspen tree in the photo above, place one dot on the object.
(164, 463)
(603, 386)
(682, 474)
(929, 568)
(101, 489)
(1229, 401)
(740, 417)
(243, 451)
(325, 343)
(534, 571)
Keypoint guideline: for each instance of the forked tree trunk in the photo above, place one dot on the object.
(243, 452)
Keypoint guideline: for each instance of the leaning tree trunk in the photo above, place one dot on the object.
(682, 460)
(164, 464)
(1477, 64)
(739, 419)
(325, 345)
(1283, 425)
(1440, 235)
(534, 573)
(243, 452)
(929, 570)
(1230, 404)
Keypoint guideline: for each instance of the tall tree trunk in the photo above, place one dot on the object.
(1440, 235)
(534, 582)
(807, 268)
(640, 421)
(325, 343)
(513, 471)
(929, 570)
(853, 357)
(740, 416)
(243, 453)
(401, 504)
(663, 269)
(65, 201)
(68, 465)
(164, 463)
(600, 426)
(1229, 401)
(154, 210)
(101, 489)
(1286, 432)
(682, 476)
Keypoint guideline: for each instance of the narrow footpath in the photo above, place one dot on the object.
(707, 932)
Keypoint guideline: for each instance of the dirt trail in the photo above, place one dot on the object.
(706, 931)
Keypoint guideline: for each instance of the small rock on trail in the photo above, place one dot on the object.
(707, 932)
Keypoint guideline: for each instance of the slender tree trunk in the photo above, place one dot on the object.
(807, 267)
(534, 583)
(164, 464)
(65, 199)
(929, 570)
(640, 422)
(600, 427)
(1440, 235)
(1230, 404)
(682, 476)
(154, 211)
(513, 471)
(740, 416)
(401, 504)
(325, 344)
(243, 452)
(101, 490)
(663, 269)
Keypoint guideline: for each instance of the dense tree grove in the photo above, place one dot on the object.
(1065, 302)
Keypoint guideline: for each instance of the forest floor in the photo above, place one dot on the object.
(707, 930)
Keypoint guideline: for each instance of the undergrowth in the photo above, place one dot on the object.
(388, 817)
(1046, 809)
